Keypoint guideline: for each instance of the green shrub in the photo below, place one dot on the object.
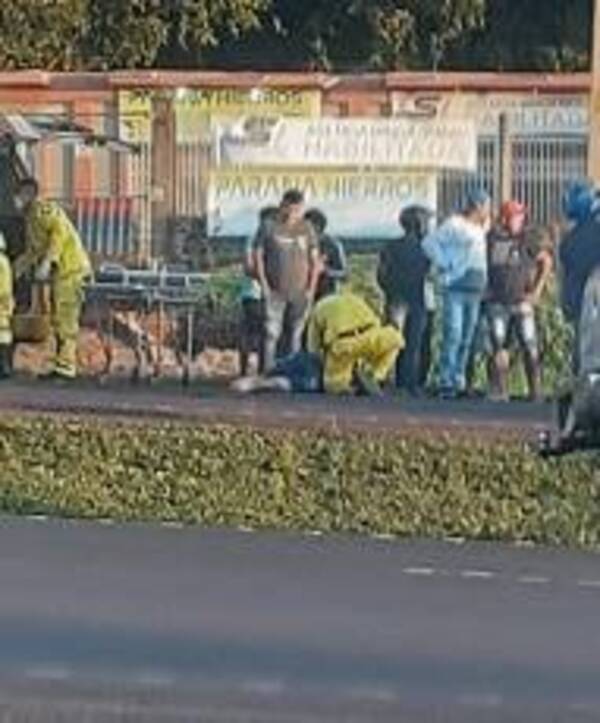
(425, 485)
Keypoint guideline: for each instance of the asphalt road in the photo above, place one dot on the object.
(208, 405)
(106, 623)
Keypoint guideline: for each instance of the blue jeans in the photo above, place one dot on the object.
(459, 322)
(304, 372)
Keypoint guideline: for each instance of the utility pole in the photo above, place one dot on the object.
(594, 144)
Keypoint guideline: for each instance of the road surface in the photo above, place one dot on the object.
(206, 405)
(108, 623)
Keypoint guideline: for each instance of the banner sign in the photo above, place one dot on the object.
(196, 110)
(528, 114)
(358, 205)
(135, 117)
(330, 142)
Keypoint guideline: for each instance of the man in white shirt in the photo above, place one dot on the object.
(458, 252)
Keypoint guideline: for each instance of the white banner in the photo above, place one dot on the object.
(364, 143)
(528, 114)
(358, 205)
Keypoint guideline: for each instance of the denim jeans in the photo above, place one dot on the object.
(459, 322)
(411, 320)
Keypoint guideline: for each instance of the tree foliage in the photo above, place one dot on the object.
(40, 33)
(352, 35)
(529, 35)
(104, 34)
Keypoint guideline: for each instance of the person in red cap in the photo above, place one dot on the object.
(519, 264)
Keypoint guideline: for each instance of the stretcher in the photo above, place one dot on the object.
(130, 298)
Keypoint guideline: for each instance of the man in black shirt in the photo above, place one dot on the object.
(401, 274)
(333, 259)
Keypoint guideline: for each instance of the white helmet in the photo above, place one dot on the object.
(3, 246)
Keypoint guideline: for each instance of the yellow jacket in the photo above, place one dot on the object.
(7, 303)
(336, 316)
(52, 237)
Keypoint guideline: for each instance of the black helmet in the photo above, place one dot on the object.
(317, 218)
(415, 220)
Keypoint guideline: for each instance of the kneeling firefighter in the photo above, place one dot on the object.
(352, 343)
(55, 253)
(6, 311)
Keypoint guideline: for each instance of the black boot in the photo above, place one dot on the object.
(5, 361)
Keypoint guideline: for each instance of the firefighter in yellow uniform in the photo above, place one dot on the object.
(56, 254)
(7, 306)
(351, 341)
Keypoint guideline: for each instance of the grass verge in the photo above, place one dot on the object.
(425, 486)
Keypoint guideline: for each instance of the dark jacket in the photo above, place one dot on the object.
(402, 269)
(579, 256)
(336, 268)
(511, 267)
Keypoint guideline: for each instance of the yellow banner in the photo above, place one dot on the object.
(196, 109)
(135, 115)
(232, 102)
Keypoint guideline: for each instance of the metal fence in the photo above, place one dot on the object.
(541, 170)
(112, 227)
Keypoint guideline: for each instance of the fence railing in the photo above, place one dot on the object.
(541, 170)
(113, 228)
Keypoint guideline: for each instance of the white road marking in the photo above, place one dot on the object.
(173, 525)
(155, 679)
(384, 537)
(455, 540)
(314, 533)
(593, 584)
(37, 518)
(419, 571)
(50, 672)
(477, 574)
(533, 580)
(526, 544)
(246, 530)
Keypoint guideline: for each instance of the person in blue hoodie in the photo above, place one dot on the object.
(579, 253)
(458, 253)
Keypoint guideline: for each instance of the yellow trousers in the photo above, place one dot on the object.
(375, 351)
(6, 336)
(67, 302)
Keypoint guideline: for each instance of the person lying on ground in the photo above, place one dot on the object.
(349, 352)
